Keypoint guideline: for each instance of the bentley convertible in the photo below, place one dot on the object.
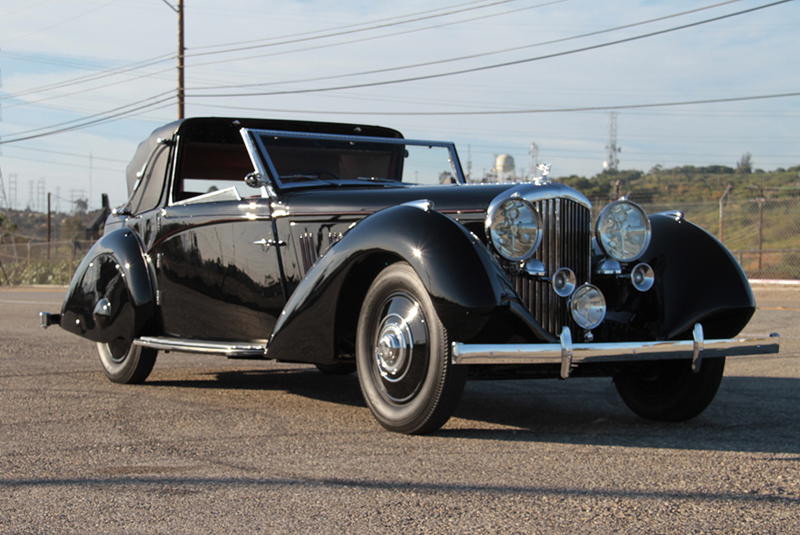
(352, 248)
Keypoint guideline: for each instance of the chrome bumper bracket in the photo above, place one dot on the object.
(697, 348)
(566, 352)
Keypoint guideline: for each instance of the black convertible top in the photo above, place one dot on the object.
(226, 130)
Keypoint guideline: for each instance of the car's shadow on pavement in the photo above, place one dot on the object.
(304, 381)
(756, 414)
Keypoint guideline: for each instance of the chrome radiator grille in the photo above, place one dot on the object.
(566, 243)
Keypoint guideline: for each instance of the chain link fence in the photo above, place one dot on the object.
(763, 235)
(40, 262)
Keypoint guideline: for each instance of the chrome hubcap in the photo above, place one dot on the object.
(400, 348)
(393, 349)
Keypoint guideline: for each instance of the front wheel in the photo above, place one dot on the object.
(403, 355)
(126, 363)
(669, 391)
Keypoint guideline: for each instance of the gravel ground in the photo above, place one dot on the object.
(210, 445)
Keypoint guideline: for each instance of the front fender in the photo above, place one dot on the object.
(697, 280)
(111, 295)
(465, 283)
(700, 280)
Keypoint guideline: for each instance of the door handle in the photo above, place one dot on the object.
(266, 244)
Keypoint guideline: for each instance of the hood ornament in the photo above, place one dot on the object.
(544, 178)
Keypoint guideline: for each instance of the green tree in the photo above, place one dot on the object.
(745, 164)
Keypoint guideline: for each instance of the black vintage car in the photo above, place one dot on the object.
(352, 248)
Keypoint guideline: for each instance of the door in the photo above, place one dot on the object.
(218, 272)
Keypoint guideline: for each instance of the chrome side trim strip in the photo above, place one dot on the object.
(568, 354)
(227, 349)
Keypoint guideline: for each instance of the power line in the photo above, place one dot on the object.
(496, 65)
(86, 90)
(93, 115)
(62, 22)
(155, 60)
(66, 164)
(91, 77)
(340, 28)
(72, 154)
(348, 32)
(92, 120)
(382, 36)
(450, 60)
(528, 111)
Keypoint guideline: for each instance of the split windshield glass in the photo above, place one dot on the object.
(298, 159)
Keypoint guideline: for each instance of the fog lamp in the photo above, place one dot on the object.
(588, 306)
(642, 277)
(564, 282)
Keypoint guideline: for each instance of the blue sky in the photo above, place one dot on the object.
(63, 61)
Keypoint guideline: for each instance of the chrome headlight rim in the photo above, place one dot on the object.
(601, 236)
(496, 210)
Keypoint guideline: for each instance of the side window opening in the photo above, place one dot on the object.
(206, 168)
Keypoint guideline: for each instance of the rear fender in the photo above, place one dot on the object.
(111, 295)
(467, 286)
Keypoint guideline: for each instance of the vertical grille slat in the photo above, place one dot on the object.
(566, 242)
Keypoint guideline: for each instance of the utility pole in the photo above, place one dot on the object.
(48, 225)
(180, 61)
(4, 220)
(181, 49)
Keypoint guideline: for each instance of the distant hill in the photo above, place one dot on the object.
(687, 184)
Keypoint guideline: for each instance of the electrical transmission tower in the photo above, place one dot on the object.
(534, 160)
(12, 191)
(3, 198)
(41, 195)
(5, 224)
(612, 163)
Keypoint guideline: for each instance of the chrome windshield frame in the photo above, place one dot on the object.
(264, 164)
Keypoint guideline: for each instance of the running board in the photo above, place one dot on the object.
(226, 349)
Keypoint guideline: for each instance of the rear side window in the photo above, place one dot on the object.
(149, 193)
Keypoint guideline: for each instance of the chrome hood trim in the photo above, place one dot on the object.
(540, 192)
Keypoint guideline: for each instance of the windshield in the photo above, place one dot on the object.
(303, 159)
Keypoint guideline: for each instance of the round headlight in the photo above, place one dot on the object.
(588, 306)
(515, 228)
(623, 231)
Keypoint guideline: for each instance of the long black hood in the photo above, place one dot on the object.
(469, 198)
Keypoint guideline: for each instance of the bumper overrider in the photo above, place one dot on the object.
(568, 354)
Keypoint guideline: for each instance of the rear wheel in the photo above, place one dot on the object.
(125, 362)
(403, 355)
(669, 391)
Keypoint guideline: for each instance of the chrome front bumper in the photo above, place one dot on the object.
(568, 354)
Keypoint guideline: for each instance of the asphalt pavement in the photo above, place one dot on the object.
(209, 445)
